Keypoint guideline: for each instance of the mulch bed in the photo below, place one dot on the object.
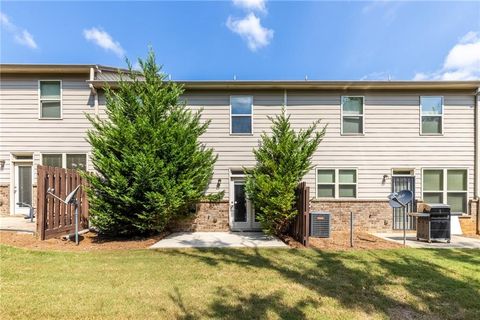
(361, 241)
(89, 241)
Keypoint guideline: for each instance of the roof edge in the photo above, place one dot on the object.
(53, 68)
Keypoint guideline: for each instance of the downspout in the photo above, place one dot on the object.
(94, 90)
(285, 99)
(477, 145)
(477, 159)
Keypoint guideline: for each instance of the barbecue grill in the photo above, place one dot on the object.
(433, 222)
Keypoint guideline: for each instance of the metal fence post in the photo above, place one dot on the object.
(351, 229)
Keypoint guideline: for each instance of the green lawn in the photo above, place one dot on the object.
(241, 283)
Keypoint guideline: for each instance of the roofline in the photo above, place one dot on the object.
(53, 68)
(331, 85)
(314, 84)
(248, 84)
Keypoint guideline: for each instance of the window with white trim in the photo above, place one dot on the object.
(431, 114)
(241, 110)
(352, 115)
(446, 186)
(50, 99)
(52, 160)
(336, 183)
(76, 161)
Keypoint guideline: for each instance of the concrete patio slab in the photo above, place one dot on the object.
(456, 241)
(17, 223)
(218, 240)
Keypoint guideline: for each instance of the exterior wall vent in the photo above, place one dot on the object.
(320, 224)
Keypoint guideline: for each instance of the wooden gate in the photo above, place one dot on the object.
(300, 229)
(54, 218)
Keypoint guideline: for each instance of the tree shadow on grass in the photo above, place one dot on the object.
(255, 305)
(358, 282)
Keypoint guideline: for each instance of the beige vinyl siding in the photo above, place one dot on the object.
(21, 130)
(392, 130)
(392, 135)
(234, 151)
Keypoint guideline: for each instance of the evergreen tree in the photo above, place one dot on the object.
(150, 166)
(282, 160)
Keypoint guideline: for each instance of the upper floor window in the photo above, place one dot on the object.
(50, 99)
(352, 115)
(336, 183)
(241, 110)
(446, 186)
(431, 110)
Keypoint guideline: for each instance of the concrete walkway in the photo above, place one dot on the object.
(218, 240)
(17, 223)
(456, 241)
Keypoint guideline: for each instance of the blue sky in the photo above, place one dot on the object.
(253, 39)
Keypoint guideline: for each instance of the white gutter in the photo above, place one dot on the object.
(477, 143)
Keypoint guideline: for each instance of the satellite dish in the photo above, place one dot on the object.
(400, 199)
(71, 197)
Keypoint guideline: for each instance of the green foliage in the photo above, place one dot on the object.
(214, 197)
(150, 164)
(282, 160)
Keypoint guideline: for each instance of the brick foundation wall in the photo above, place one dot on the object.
(209, 216)
(475, 216)
(4, 199)
(369, 215)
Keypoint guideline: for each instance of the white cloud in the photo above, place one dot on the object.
(462, 61)
(251, 30)
(21, 36)
(101, 38)
(26, 39)
(251, 5)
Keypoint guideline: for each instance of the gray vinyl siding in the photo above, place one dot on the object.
(21, 130)
(392, 135)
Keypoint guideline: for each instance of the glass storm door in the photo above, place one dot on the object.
(400, 183)
(242, 217)
(23, 188)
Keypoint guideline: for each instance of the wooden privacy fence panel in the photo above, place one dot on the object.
(300, 228)
(55, 218)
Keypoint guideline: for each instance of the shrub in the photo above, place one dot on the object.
(283, 158)
(149, 162)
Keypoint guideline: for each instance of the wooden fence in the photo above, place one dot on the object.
(300, 228)
(54, 218)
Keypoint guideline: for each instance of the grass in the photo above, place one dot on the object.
(241, 284)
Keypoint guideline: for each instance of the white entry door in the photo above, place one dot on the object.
(23, 188)
(242, 213)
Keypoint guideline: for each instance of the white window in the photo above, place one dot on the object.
(50, 99)
(65, 160)
(352, 115)
(431, 115)
(241, 110)
(336, 183)
(446, 186)
(52, 160)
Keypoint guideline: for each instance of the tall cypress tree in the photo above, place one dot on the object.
(283, 158)
(150, 166)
